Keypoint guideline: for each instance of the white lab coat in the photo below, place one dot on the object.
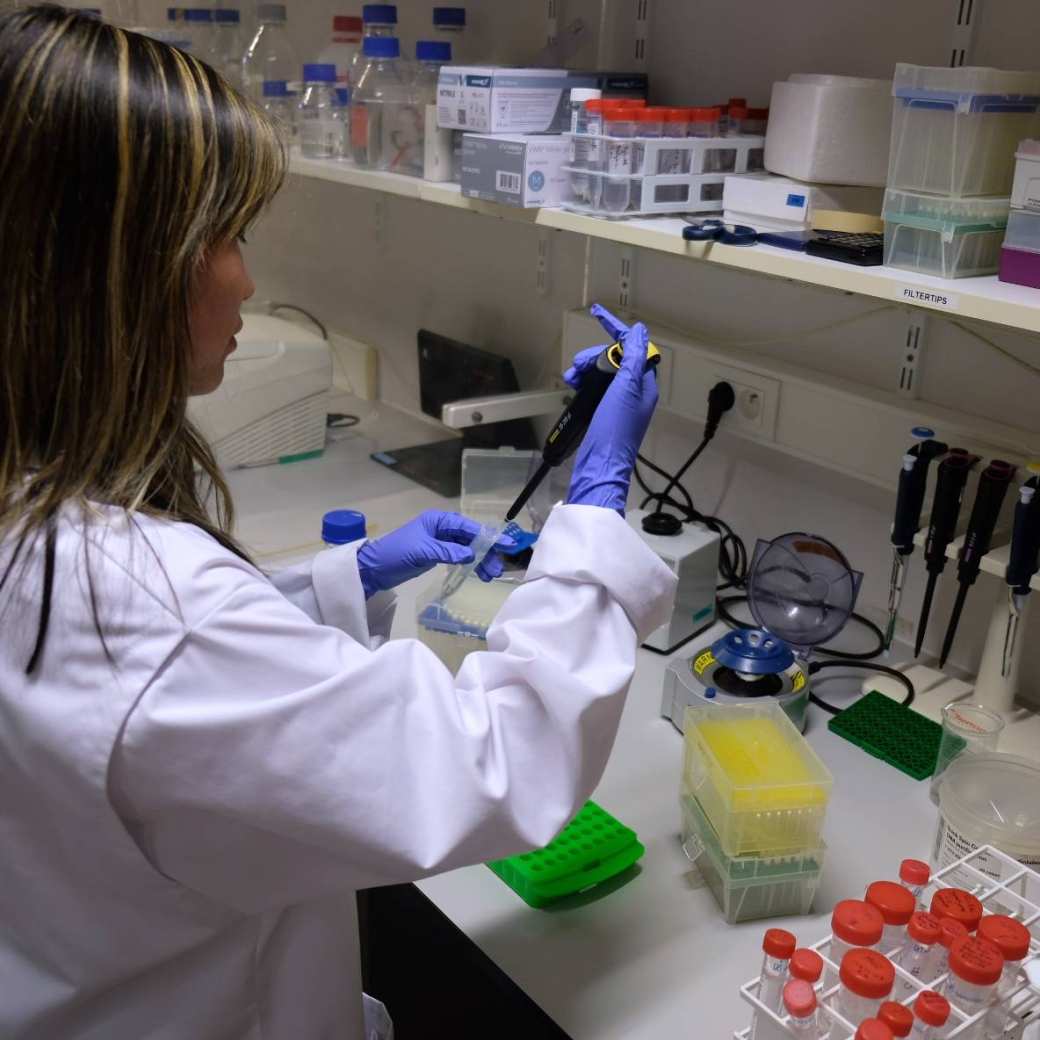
(183, 827)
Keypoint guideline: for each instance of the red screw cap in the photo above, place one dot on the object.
(924, 928)
(898, 1018)
(857, 923)
(799, 998)
(914, 872)
(872, 1029)
(779, 943)
(960, 905)
(867, 974)
(976, 960)
(896, 904)
(1011, 937)
(932, 1008)
(807, 965)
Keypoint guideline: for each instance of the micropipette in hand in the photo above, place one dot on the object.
(993, 485)
(1023, 562)
(913, 482)
(946, 509)
(568, 431)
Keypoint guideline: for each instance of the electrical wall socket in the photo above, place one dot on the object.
(757, 396)
(355, 366)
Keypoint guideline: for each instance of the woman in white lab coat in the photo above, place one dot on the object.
(200, 764)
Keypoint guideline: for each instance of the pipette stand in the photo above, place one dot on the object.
(997, 684)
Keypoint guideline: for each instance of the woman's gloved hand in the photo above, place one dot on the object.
(603, 466)
(431, 538)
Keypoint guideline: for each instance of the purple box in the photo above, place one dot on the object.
(1020, 266)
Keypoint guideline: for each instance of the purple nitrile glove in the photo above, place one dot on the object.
(432, 537)
(603, 467)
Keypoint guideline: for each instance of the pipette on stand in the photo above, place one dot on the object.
(993, 485)
(951, 481)
(1023, 563)
(913, 482)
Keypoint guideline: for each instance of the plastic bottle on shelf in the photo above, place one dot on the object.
(649, 123)
(449, 23)
(280, 104)
(227, 43)
(866, 981)
(1011, 937)
(801, 1006)
(756, 121)
(673, 160)
(270, 56)
(873, 1029)
(736, 116)
(806, 965)
(778, 945)
(896, 906)
(198, 22)
(343, 526)
(385, 123)
(975, 969)
(379, 21)
(931, 1011)
(618, 123)
(854, 924)
(922, 945)
(898, 1017)
(914, 874)
(430, 55)
(958, 905)
(734, 102)
(582, 150)
(343, 47)
(320, 124)
(703, 122)
(343, 114)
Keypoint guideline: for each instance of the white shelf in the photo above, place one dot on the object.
(984, 299)
(994, 562)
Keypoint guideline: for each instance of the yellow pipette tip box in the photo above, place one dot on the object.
(755, 777)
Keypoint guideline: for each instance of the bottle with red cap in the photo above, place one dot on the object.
(736, 116)
(931, 1010)
(914, 874)
(958, 905)
(854, 924)
(619, 124)
(778, 945)
(806, 965)
(343, 48)
(949, 932)
(867, 978)
(673, 125)
(1011, 937)
(756, 121)
(800, 1004)
(922, 943)
(975, 969)
(898, 1017)
(896, 906)
(873, 1029)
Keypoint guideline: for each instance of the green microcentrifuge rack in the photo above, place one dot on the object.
(591, 849)
(887, 730)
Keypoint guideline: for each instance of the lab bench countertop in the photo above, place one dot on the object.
(653, 957)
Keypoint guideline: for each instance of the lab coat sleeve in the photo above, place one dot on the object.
(327, 588)
(274, 760)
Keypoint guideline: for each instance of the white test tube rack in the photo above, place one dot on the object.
(1003, 885)
(653, 193)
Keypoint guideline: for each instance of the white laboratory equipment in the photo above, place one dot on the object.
(377, 20)
(280, 104)
(449, 24)
(342, 50)
(273, 403)
(270, 55)
(386, 126)
(319, 117)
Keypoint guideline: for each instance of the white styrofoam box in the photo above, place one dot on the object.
(832, 129)
(1025, 193)
(771, 203)
(809, 406)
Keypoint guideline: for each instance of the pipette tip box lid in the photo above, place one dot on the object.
(593, 848)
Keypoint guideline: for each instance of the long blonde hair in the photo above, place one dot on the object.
(123, 162)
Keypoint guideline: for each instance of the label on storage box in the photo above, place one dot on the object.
(922, 297)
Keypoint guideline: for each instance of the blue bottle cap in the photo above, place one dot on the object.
(319, 73)
(278, 88)
(174, 14)
(342, 526)
(343, 96)
(922, 433)
(433, 50)
(198, 14)
(382, 47)
(227, 16)
(449, 16)
(379, 14)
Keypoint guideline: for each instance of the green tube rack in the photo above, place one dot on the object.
(593, 848)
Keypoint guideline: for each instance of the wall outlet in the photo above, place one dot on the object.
(355, 366)
(757, 399)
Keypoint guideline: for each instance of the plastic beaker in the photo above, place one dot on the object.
(966, 729)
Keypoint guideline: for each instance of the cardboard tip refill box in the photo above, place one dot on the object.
(522, 170)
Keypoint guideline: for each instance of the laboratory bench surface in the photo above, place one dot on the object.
(652, 957)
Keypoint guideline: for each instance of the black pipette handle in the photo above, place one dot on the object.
(1025, 541)
(913, 482)
(951, 481)
(566, 435)
(993, 485)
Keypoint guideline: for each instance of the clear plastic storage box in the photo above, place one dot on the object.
(955, 131)
(760, 784)
(492, 479)
(749, 888)
(951, 238)
(662, 174)
(1023, 230)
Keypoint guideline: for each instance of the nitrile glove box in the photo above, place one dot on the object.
(489, 100)
(523, 170)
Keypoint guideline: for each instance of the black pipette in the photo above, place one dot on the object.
(1023, 562)
(993, 485)
(946, 508)
(567, 434)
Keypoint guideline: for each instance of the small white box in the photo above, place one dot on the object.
(485, 99)
(520, 170)
(693, 556)
(1026, 191)
(831, 129)
(771, 203)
